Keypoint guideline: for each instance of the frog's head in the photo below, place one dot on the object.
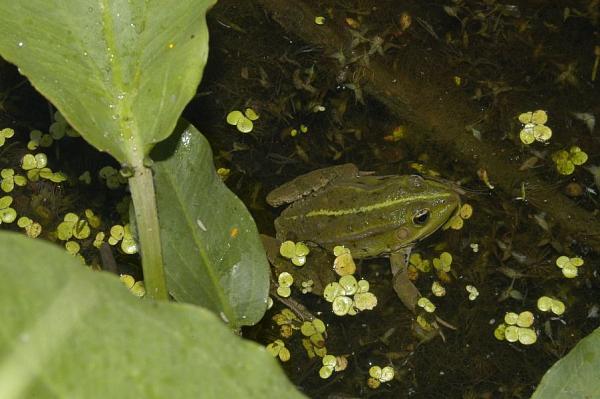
(432, 203)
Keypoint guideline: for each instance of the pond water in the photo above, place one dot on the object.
(486, 63)
(401, 88)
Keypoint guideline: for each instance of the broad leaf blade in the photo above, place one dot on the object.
(120, 71)
(67, 332)
(212, 253)
(577, 375)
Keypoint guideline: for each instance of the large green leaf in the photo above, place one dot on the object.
(120, 71)
(67, 332)
(576, 375)
(212, 253)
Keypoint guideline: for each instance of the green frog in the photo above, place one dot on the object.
(371, 215)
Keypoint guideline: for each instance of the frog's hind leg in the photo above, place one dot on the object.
(310, 182)
(404, 287)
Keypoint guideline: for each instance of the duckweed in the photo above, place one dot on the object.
(7, 214)
(379, 375)
(426, 304)
(438, 289)
(418, 262)
(85, 177)
(343, 264)
(39, 139)
(73, 226)
(567, 160)
(119, 233)
(307, 286)
(517, 327)
(287, 321)
(223, 173)
(296, 252)
(546, 303)
(277, 349)
(457, 221)
(473, 292)
(285, 281)
(319, 20)
(32, 229)
(243, 122)
(534, 128)
(6, 133)
(137, 288)
(72, 247)
(113, 179)
(329, 362)
(9, 180)
(569, 265)
(310, 328)
(443, 262)
(365, 301)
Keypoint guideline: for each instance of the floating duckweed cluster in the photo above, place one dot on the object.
(438, 289)
(223, 173)
(319, 20)
(330, 364)
(517, 327)
(122, 234)
(343, 264)
(314, 333)
(9, 180)
(348, 296)
(73, 226)
(137, 288)
(457, 221)
(243, 122)
(287, 322)
(567, 160)
(32, 229)
(307, 286)
(112, 177)
(35, 165)
(277, 349)
(419, 263)
(569, 265)
(6, 133)
(546, 303)
(426, 305)
(303, 129)
(379, 375)
(534, 128)
(7, 214)
(295, 251)
(285, 281)
(473, 292)
(443, 263)
(38, 139)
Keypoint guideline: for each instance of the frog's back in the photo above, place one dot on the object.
(370, 215)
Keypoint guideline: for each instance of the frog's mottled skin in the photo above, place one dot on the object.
(370, 215)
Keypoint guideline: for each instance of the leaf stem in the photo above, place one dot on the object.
(146, 215)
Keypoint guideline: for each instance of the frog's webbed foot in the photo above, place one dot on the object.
(404, 287)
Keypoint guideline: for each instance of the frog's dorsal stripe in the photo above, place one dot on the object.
(379, 205)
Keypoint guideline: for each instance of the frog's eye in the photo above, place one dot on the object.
(421, 217)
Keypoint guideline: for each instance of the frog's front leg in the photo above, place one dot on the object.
(404, 287)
